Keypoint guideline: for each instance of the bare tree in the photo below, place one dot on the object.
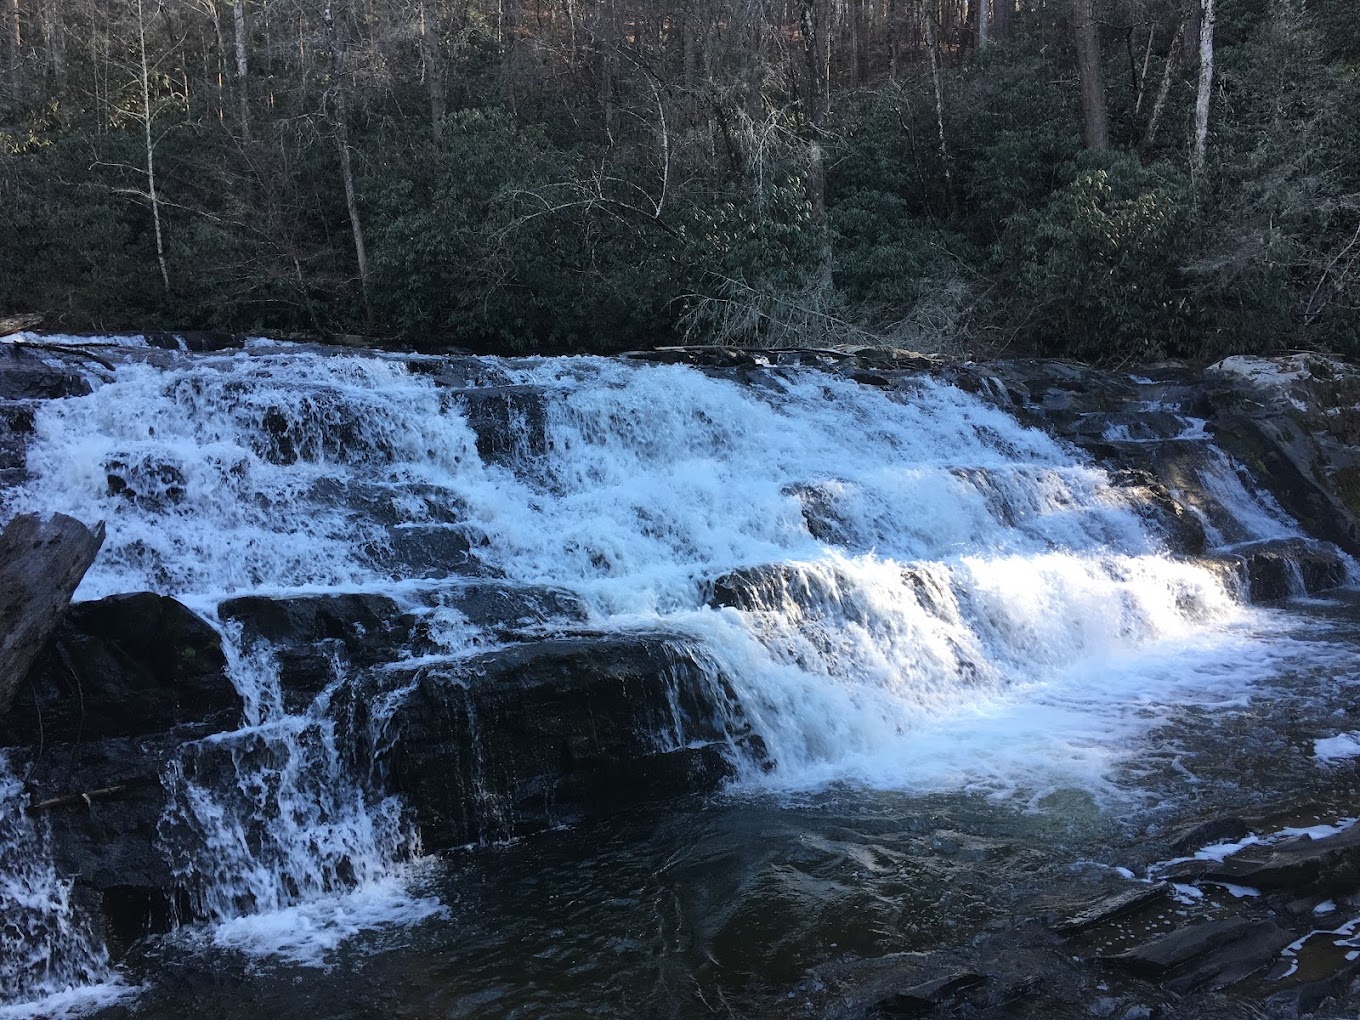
(148, 114)
(238, 12)
(339, 108)
(1206, 84)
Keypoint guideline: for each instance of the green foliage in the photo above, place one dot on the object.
(581, 197)
(1095, 268)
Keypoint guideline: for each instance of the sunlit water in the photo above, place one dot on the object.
(951, 621)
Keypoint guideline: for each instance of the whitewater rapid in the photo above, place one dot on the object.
(941, 599)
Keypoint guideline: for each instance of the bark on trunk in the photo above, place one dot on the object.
(1173, 60)
(1206, 84)
(429, 58)
(939, 95)
(340, 124)
(984, 23)
(16, 55)
(238, 10)
(1095, 124)
(1001, 11)
(41, 563)
(151, 150)
(54, 38)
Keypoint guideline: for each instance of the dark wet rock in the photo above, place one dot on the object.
(198, 341)
(1302, 998)
(508, 609)
(898, 985)
(16, 426)
(1232, 962)
(1207, 833)
(819, 511)
(150, 484)
(765, 587)
(1330, 865)
(428, 551)
(510, 421)
(1180, 527)
(24, 375)
(103, 802)
(1206, 955)
(921, 999)
(538, 734)
(1167, 952)
(1294, 422)
(1279, 568)
(1111, 907)
(124, 666)
(310, 634)
(369, 626)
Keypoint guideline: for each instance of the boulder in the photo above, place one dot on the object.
(539, 734)
(310, 633)
(124, 666)
(1279, 568)
(197, 341)
(24, 375)
(1295, 422)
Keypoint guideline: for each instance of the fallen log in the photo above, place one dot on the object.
(41, 563)
(86, 798)
(18, 323)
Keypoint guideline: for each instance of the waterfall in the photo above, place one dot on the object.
(904, 587)
(50, 959)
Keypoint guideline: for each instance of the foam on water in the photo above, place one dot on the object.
(51, 963)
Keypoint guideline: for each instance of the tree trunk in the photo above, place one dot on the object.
(984, 23)
(340, 123)
(1173, 59)
(151, 149)
(430, 63)
(1095, 121)
(1206, 84)
(54, 38)
(816, 31)
(929, 23)
(16, 55)
(41, 563)
(1001, 11)
(238, 10)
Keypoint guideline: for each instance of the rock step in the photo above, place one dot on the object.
(534, 735)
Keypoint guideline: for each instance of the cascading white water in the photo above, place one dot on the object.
(50, 960)
(939, 598)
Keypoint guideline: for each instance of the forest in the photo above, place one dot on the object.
(1110, 180)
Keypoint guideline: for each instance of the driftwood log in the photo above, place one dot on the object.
(18, 323)
(41, 563)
